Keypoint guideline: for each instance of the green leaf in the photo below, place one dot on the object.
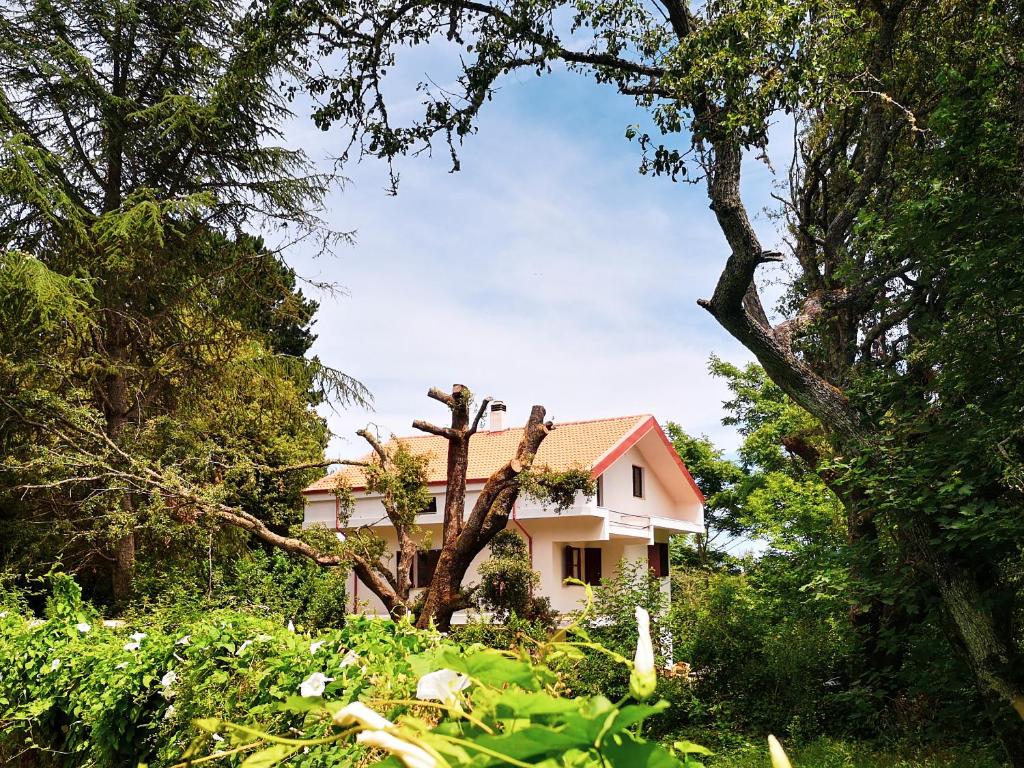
(515, 703)
(209, 724)
(688, 747)
(272, 755)
(625, 751)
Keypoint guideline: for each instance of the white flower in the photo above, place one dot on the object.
(358, 713)
(245, 644)
(643, 680)
(4, 614)
(131, 646)
(36, 623)
(411, 755)
(82, 627)
(169, 679)
(185, 640)
(122, 665)
(779, 759)
(316, 646)
(443, 685)
(314, 684)
(291, 627)
(138, 637)
(169, 713)
(217, 737)
(54, 665)
(113, 623)
(350, 658)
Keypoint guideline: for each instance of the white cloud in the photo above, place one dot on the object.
(547, 271)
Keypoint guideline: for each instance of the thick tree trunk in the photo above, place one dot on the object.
(123, 577)
(992, 656)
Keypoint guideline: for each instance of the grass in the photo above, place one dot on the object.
(837, 753)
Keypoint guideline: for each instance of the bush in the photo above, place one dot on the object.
(108, 696)
(764, 658)
(610, 621)
(77, 691)
(507, 580)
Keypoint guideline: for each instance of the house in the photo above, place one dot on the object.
(644, 495)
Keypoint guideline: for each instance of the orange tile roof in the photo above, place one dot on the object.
(571, 444)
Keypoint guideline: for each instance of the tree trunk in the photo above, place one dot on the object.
(993, 657)
(124, 568)
(116, 403)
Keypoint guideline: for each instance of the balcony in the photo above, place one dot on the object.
(626, 525)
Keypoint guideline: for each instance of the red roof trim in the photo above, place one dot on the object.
(627, 442)
(679, 462)
(635, 437)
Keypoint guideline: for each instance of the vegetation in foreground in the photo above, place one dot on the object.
(78, 690)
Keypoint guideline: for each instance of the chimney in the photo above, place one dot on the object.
(497, 420)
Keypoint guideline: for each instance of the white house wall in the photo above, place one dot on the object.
(618, 488)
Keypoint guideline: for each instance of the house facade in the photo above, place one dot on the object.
(644, 495)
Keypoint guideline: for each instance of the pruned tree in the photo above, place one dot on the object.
(393, 473)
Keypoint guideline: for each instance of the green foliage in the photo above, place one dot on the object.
(765, 655)
(138, 149)
(284, 587)
(840, 753)
(611, 622)
(75, 691)
(482, 707)
(557, 489)
(400, 477)
(96, 696)
(507, 580)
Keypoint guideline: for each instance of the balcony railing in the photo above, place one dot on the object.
(629, 520)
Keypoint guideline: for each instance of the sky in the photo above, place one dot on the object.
(547, 271)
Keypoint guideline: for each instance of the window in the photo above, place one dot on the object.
(431, 508)
(600, 491)
(638, 481)
(657, 559)
(583, 563)
(426, 564)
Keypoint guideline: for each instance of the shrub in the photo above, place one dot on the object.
(507, 580)
(763, 657)
(116, 696)
(611, 622)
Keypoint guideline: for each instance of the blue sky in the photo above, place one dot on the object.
(547, 271)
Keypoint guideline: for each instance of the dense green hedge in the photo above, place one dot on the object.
(83, 693)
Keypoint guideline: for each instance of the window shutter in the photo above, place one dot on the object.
(657, 559)
(426, 565)
(592, 565)
(600, 491)
(568, 563)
